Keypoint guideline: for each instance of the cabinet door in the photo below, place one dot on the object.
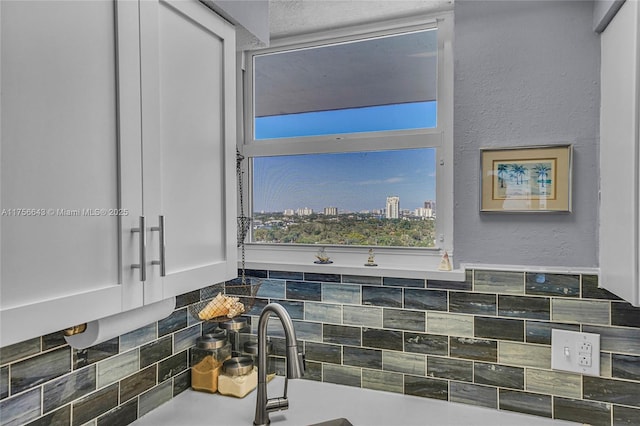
(620, 155)
(189, 128)
(62, 239)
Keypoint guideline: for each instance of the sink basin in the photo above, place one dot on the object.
(335, 422)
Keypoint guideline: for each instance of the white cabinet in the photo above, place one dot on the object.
(188, 118)
(620, 155)
(111, 111)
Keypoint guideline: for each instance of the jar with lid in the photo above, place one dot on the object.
(239, 377)
(251, 350)
(207, 358)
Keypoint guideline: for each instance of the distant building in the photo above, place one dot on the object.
(431, 204)
(289, 212)
(304, 212)
(393, 207)
(424, 212)
(331, 211)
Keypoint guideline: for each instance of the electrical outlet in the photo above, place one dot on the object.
(574, 351)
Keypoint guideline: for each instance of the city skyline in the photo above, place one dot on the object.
(350, 181)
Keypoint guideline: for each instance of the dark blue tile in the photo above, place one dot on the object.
(552, 284)
(586, 412)
(362, 357)
(382, 339)
(432, 344)
(498, 375)
(450, 285)
(258, 273)
(467, 393)
(325, 278)
(450, 368)
(123, 415)
(53, 340)
(341, 334)
(93, 354)
(540, 332)
(69, 388)
(95, 405)
(4, 382)
(428, 300)
(174, 322)
(155, 351)
(19, 350)
(323, 352)
(181, 382)
(524, 307)
(187, 298)
(625, 416)
(61, 417)
(20, 409)
(625, 367)
(360, 279)
(625, 314)
(172, 366)
(499, 328)
(472, 303)
(611, 390)
(285, 275)
(476, 349)
(381, 296)
(426, 387)
(137, 383)
(524, 402)
(591, 289)
(39, 369)
(304, 290)
(294, 308)
(403, 282)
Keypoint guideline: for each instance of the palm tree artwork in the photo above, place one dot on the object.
(517, 172)
(502, 170)
(542, 170)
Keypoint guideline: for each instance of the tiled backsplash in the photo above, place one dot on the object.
(485, 342)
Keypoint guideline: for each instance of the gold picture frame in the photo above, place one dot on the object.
(526, 179)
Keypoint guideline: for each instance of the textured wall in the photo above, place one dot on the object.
(526, 73)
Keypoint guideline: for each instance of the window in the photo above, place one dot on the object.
(350, 140)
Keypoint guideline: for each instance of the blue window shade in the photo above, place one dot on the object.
(406, 116)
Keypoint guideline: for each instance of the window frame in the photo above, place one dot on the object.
(410, 260)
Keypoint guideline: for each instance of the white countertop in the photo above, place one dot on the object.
(314, 402)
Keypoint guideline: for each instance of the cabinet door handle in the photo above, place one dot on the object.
(161, 242)
(142, 249)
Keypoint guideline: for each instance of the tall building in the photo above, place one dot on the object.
(305, 211)
(289, 212)
(431, 205)
(331, 211)
(393, 207)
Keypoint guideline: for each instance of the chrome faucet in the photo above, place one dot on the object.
(295, 363)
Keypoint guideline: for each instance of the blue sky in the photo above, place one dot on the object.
(349, 181)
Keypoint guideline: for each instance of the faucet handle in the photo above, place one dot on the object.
(303, 361)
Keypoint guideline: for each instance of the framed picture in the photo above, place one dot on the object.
(531, 179)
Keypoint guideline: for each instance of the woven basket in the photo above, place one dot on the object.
(246, 293)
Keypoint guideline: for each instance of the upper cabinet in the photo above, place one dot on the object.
(113, 115)
(188, 140)
(620, 155)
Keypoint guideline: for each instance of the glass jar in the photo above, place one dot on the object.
(239, 377)
(251, 350)
(207, 358)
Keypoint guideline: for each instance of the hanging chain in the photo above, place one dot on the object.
(243, 222)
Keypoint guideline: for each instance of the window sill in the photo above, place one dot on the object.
(392, 262)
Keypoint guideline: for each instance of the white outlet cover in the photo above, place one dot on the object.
(565, 350)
